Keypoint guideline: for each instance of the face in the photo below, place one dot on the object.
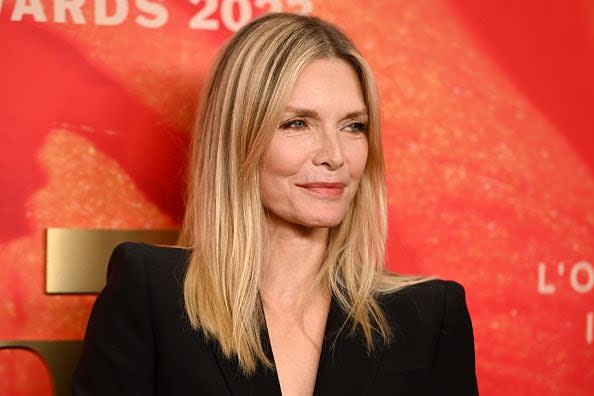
(318, 153)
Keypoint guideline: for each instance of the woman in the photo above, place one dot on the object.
(280, 284)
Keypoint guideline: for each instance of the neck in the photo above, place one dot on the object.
(295, 255)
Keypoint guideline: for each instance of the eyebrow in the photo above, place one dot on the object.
(303, 112)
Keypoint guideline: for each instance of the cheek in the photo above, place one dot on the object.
(284, 161)
(357, 158)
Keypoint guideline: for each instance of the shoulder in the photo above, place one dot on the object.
(150, 254)
(155, 272)
(431, 294)
(424, 317)
(147, 278)
(425, 306)
(433, 343)
(427, 292)
(132, 258)
(429, 287)
(129, 320)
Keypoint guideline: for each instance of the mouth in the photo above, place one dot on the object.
(323, 189)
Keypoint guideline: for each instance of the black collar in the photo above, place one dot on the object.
(345, 367)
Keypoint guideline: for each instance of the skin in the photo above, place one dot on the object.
(321, 139)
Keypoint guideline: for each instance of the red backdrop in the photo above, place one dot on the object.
(488, 121)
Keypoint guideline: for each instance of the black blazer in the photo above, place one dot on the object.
(139, 341)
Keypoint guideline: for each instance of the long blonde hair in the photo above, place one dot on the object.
(224, 223)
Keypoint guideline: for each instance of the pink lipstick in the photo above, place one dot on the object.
(323, 189)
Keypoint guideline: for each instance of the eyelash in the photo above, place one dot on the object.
(288, 124)
(361, 126)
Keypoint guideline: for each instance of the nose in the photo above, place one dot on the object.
(329, 152)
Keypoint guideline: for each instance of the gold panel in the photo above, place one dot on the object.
(76, 259)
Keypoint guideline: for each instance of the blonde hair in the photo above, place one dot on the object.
(224, 223)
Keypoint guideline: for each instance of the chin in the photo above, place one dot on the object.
(322, 221)
(324, 216)
(310, 216)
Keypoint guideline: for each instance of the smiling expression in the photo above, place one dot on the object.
(317, 155)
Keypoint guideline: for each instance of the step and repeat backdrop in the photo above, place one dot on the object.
(488, 118)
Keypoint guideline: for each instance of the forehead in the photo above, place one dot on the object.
(329, 84)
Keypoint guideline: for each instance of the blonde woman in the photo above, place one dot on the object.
(279, 286)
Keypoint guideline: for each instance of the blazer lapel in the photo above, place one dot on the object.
(345, 366)
(263, 382)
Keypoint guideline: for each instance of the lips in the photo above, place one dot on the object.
(324, 189)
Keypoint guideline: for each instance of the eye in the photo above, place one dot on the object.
(294, 124)
(357, 127)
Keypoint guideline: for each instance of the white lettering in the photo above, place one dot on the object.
(28, 7)
(585, 267)
(543, 287)
(200, 20)
(119, 15)
(245, 14)
(158, 11)
(72, 7)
